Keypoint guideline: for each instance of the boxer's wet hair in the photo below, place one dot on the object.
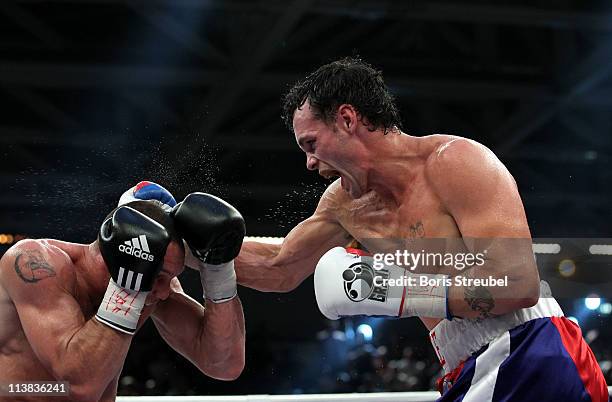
(153, 209)
(351, 81)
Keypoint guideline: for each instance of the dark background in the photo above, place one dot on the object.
(100, 94)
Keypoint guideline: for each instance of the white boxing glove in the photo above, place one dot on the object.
(346, 284)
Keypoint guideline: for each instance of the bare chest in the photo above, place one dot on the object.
(420, 214)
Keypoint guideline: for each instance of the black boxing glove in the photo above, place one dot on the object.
(133, 247)
(214, 231)
(212, 228)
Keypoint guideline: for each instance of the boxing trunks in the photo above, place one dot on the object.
(532, 354)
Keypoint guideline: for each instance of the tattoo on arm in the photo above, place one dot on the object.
(480, 299)
(32, 267)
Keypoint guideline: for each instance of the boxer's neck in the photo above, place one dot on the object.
(394, 161)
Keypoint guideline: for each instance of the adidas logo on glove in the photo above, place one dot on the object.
(137, 247)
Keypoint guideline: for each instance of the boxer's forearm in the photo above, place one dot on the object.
(91, 358)
(262, 267)
(517, 286)
(222, 340)
(281, 268)
(210, 337)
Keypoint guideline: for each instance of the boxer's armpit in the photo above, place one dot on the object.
(32, 267)
(480, 300)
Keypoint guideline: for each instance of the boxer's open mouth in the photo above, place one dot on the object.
(330, 174)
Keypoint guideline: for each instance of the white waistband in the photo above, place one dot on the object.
(454, 341)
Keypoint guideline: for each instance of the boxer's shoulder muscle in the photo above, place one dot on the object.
(463, 166)
(25, 270)
(31, 264)
(453, 150)
(479, 192)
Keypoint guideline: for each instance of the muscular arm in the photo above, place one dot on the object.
(212, 338)
(483, 199)
(281, 268)
(40, 280)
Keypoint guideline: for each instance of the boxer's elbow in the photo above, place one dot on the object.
(524, 293)
(232, 371)
(529, 286)
(517, 304)
(86, 382)
(84, 388)
(224, 359)
(227, 370)
(530, 294)
(235, 364)
(85, 392)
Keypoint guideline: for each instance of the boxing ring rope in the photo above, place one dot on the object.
(538, 248)
(368, 397)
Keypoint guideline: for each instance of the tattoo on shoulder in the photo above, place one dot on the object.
(480, 299)
(417, 230)
(32, 267)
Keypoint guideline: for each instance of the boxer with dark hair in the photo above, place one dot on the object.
(494, 343)
(68, 312)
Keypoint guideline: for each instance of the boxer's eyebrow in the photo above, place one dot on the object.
(304, 140)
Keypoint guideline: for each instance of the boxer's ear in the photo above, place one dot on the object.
(347, 118)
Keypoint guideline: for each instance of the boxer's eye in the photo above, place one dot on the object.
(311, 145)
